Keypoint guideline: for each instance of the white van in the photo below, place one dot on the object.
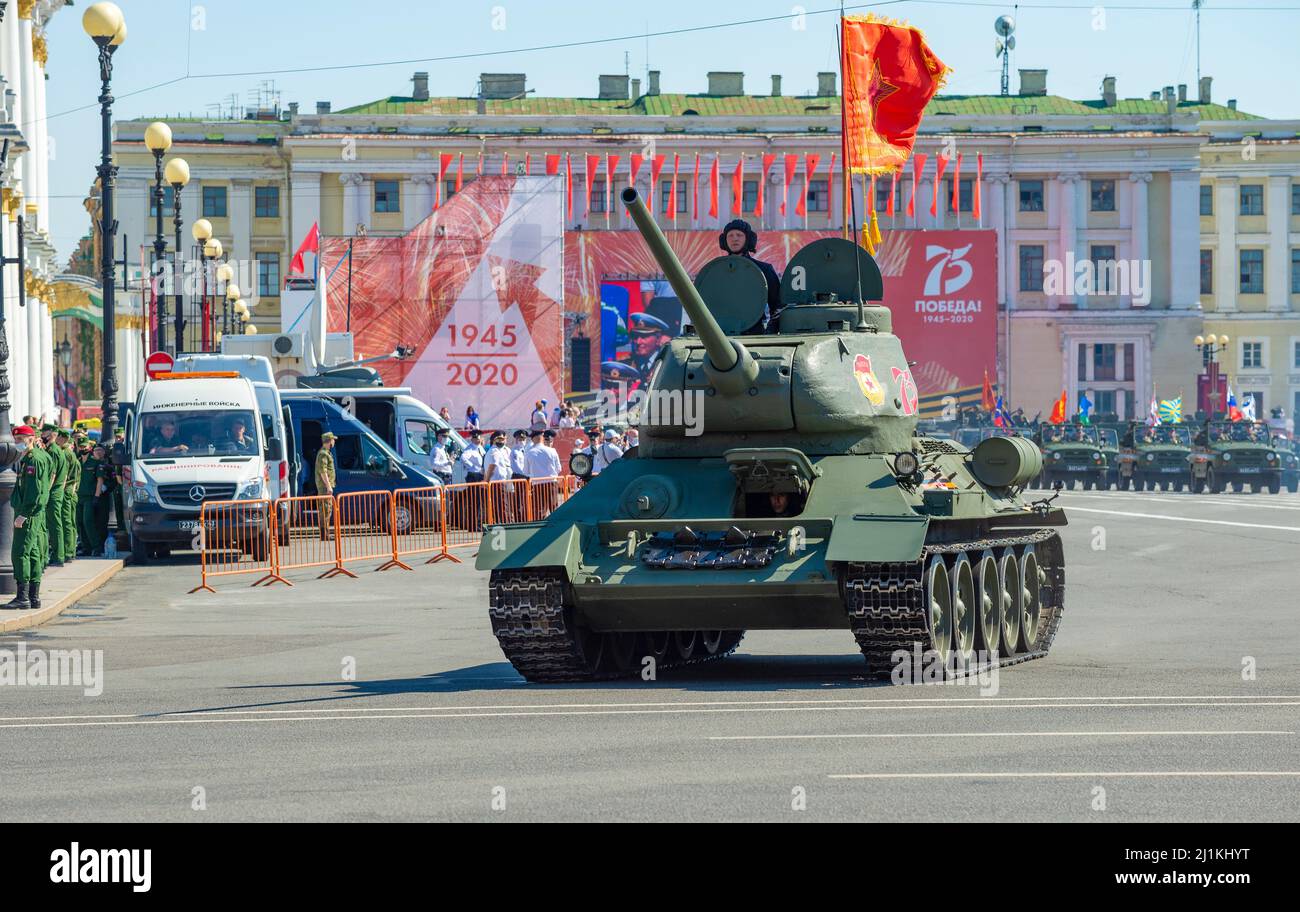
(191, 439)
(275, 424)
(398, 418)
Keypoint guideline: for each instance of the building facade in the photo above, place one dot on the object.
(1095, 203)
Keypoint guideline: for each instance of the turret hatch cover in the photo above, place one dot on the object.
(735, 291)
(831, 265)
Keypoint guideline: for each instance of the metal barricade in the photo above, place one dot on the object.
(572, 484)
(367, 528)
(235, 537)
(307, 535)
(464, 508)
(419, 521)
(544, 495)
(507, 502)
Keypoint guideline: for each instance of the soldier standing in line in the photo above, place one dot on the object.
(119, 476)
(70, 487)
(325, 478)
(108, 491)
(31, 493)
(88, 490)
(54, 503)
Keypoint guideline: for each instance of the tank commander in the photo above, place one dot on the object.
(739, 239)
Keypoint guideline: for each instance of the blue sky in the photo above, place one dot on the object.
(216, 49)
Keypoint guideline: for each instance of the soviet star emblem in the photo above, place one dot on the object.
(878, 88)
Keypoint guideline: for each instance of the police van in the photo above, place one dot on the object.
(191, 438)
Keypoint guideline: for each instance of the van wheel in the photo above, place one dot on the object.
(139, 551)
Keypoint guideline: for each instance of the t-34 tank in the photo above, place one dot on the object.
(779, 484)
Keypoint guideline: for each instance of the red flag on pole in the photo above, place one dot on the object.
(940, 163)
(552, 163)
(593, 162)
(830, 182)
(528, 163)
(738, 187)
(695, 191)
(956, 185)
(791, 162)
(311, 243)
(979, 178)
(444, 162)
(768, 159)
(986, 397)
(672, 191)
(918, 168)
(634, 164)
(713, 187)
(893, 191)
(611, 167)
(568, 183)
(505, 163)
(656, 166)
(460, 172)
(810, 163)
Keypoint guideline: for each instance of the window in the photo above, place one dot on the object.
(1031, 267)
(818, 196)
(1083, 363)
(749, 198)
(268, 275)
(1252, 199)
(214, 202)
(266, 202)
(169, 202)
(1103, 362)
(965, 196)
(421, 437)
(1207, 199)
(1252, 355)
(1103, 267)
(448, 188)
(1295, 199)
(1103, 195)
(1295, 270)
(1295, 355)
(1105, 402)
(1031, 196)
(882, 196)
(1252, 272)
(665, 192)
(598, 196)
(1207, 272)
(387, 197)
(1130, 361)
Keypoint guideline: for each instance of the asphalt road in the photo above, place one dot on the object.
(239, 702)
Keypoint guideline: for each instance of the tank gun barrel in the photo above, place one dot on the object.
(733, 367)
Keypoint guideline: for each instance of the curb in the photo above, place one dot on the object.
(53, 609)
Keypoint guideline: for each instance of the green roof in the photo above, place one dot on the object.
(672, 105)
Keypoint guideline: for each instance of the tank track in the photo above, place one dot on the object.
(533, 623)
(886, 610)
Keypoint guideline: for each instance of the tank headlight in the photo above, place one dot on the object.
(906, 465)
(1227, 457)
(580, 465)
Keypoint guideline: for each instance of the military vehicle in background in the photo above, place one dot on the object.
(970, 437)
(800, 499)
(1155, 457)
(1235, 454)
(1289, 450)
(1076, 453)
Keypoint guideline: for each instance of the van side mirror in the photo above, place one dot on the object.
(394, 470)
(119, 455)
(274, 449)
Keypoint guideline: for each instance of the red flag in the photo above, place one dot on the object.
(528, 163)
(986, 397)
(444, 162)
(940, 162)
(593, 162)
(460, 172)
(311, 243)
(979, 178)
(611, 168)
(1058, 410)
(889, 77)
(505, 163)
(568, 183)
(634, 166)
(713, 187)
(552, 164)
(656, 166)
(810, 162)
(695, 191)
(768, 158)
(893, 191)
(791, 162)
(672, 191)
(956, 185)
(918, 168)
(738, 187)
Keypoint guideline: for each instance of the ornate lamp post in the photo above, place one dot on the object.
(177, 174)
(212, 250)
(158, 139)
(225, 274)
(202, 231)
(63, 351)
(106, 26)
(1210, 347)
(234, 306)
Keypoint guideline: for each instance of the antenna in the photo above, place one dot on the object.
(1005, 27)
(1196, 5)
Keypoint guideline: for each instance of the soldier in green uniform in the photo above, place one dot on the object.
(91, 502)
(119, 436)
(69, 495)
(54, 504)
(324, 478)
(31, 493)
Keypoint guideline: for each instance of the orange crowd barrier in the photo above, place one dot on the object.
(367, 528)
(235, 537)
(419, 523)
(307, 535)
(544, 495)
(507, 502)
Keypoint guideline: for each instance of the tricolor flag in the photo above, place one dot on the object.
(1153, 416)
(1234, 413)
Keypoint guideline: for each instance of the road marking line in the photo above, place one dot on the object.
(1020, 734)
(1186, 519)
(1174, 774)
(1190, 500)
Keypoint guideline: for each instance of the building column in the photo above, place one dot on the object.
(1278, 259)
(34, 340)
(304, 206)
(16, 332)
(1225, 262)
(1067, 215)
(365, 202)
(1140, 244)
(997, 220)
(417, 199)
(1184, 239)
(47, 405)
(351, 202)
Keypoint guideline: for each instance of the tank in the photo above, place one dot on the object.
(779, 483)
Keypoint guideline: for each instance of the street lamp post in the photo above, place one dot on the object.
(225, 273)
(158, 139)
(178, 175)
(1210, 346)
(235, 307)
(63, 351)
(202, 232)
(212, 250)
(106, 26)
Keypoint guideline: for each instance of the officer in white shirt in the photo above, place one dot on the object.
(606, 453)
(472, 457)
(441, 461)
(519, 455)
(543, 461)
(497, 462)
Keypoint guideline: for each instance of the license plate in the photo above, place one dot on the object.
(1071, 468)
(1244, 470)
(1171, 469)
(189, 525)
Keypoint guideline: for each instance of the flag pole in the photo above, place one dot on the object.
(846, 190)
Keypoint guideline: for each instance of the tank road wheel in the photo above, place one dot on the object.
(1009, 587)
(1031, 604)
(710, 641)
(964, 609)
(938, 599)
(657, 646)
(988, 596)
(620, 650)
(686, 642)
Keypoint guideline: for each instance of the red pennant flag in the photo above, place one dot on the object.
(893, 191)
(460, 172)
(444, 162)
(940, 163)
(768, 159)
(889, 77)
(672, 191)
(568, 183)
(956, 185)
(713, 187)
(311, 243)
(528, 163)
(634, 167)
(611, 168)
(695, 191)
(918, 168)
(505, 163)
(791, 162)
(979, 178)
(810, 162)
(986, 396)
(656, 166)
(738, 187)
(552, 164)
(593, 162)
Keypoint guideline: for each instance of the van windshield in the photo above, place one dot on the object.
(181, 433)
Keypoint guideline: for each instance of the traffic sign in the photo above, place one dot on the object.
(158, 363)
